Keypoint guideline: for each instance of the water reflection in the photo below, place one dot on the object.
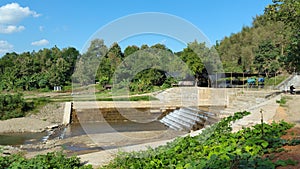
(21, 138)
(76, 129)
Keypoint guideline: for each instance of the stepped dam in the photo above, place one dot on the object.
(181, 108)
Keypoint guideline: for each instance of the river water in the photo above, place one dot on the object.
(77, 129)
(21, 138)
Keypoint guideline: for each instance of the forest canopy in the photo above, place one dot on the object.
(271, 45)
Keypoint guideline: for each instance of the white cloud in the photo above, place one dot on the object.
(11, 29)
(5, 47)
(41, 42)
(11, 14)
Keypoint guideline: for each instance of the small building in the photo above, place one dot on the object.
(186, 83)
(57, 88)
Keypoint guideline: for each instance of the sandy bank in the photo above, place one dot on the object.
(48, 116)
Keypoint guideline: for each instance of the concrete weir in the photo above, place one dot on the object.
(67, 113)
(119, 111)
(146, 111)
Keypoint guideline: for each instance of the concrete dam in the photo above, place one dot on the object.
(180, 108)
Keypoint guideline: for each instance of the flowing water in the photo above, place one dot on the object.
(77, 129)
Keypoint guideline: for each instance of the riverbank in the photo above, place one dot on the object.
(98, 154)
(49, 116)
(271, 112)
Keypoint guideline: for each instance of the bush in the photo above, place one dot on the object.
(50, 160)
(216, 147)
(12, 106)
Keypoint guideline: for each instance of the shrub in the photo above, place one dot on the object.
(12, 106)
(47, 161)
(216, 147)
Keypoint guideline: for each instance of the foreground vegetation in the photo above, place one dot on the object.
(216, 147)
(48, 161)
(270, 46)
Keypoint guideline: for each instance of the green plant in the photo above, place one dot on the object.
(132, 98)
(282, 101)
(47, 161)
(38, 103)
(275, 80)
(13, 105)
(216, 147)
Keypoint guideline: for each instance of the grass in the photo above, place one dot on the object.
(274, 81)
(100, 96)
(38, 103)
(283, 100)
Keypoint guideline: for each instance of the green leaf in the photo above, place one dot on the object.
(265, 144)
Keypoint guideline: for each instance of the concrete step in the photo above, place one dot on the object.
(180, 122)
(171, 124)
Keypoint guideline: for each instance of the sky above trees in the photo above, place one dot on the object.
(34, 25)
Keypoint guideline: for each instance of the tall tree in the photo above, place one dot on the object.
(193, 56)
(288, 12)
(88, 63)
(130, 50)
(266, 58)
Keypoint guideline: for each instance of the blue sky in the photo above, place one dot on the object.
(27, 25)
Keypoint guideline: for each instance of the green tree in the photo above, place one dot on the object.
(130, 50)
(109, 63)
(192, 56)
(88, 63)
(266, 58)
(288, 12)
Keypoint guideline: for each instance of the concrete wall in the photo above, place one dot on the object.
(142, 111)
(144, 115)
(285, 85)
(67, 113)
(194, 96)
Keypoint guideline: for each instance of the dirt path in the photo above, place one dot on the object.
(289, 112)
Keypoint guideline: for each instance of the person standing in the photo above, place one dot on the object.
(292, 89)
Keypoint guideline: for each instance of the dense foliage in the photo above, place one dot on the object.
(270, 45)
(48, 161)
(37, 70)
(12, 106)
(216, 147)
(140, 69)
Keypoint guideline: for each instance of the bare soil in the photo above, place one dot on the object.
(49, 115)
(290, 112)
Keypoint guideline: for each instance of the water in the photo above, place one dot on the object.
(77, 129)
(21, 138)
(184, 119)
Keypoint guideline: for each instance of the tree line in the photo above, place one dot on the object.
(270, 45)
(142, 68)
(37, 70)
